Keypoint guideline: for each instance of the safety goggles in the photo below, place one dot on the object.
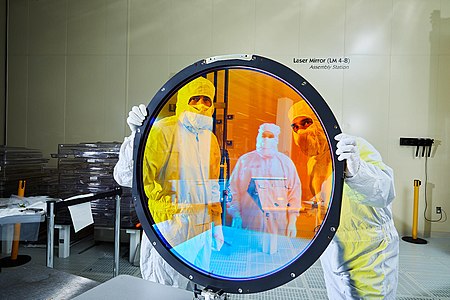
(200, 99)
(303, 124)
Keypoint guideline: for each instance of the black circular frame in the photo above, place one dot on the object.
(327, 229)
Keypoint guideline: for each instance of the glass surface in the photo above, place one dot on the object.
(237, 186)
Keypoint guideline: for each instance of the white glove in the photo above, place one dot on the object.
(136, 117)
(348, 150)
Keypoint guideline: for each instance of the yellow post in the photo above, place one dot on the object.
(414, 239)
(21, 189)
(415, 208)
(16, 239)
(15, 243)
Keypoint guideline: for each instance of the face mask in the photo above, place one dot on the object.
(311, 141)
(267, 147)
(196, 122)
(268, 143)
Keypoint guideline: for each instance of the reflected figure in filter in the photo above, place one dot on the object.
(309, 136)
(180, 176)
(361, 262)
(265, 188)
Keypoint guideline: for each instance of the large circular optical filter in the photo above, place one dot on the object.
(214, 198)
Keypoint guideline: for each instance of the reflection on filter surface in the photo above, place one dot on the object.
(192, 229)
(268, 195)
(242, 254)
(185, 226)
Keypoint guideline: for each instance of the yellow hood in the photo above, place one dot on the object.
(197, 87)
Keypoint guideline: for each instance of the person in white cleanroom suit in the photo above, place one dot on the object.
(361, 261)
(180, 176)
(280, 187)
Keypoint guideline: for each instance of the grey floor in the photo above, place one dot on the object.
(424, 270)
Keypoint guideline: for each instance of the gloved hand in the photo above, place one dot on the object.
(136, 117)
(236, 222)
(218, 239)
(348, 150)
(292, 226)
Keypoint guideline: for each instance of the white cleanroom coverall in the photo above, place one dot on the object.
(180, 178)
(361, 261)
(278, 187)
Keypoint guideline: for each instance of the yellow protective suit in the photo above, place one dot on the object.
(181, 162)
(180, 176)
(314, 147)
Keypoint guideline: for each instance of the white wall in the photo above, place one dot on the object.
(77, 66)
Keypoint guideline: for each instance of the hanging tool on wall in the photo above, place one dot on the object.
(421, 143)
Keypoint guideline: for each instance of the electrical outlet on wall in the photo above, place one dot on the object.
(438, 210)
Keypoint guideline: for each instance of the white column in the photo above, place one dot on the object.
(285, 138)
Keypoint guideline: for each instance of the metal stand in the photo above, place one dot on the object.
(64, 240)
(52, 205)
(117, 237)
(410, 239)
(135, 241)
(209, 293)
(50, 231)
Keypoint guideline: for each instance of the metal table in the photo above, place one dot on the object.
(126, 287)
